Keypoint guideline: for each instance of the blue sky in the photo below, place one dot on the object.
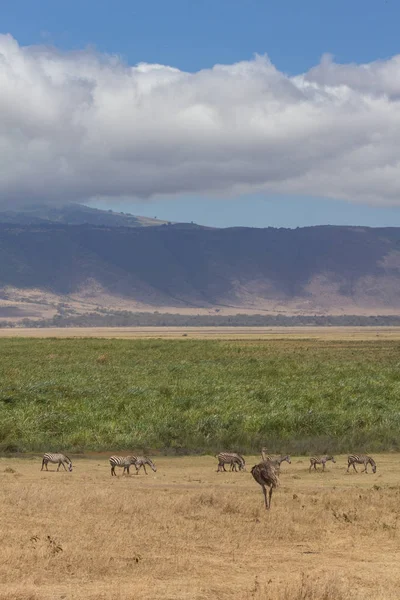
(198, 35)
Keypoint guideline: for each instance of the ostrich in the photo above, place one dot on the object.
(265, 474)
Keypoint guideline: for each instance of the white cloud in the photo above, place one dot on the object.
(80, 125)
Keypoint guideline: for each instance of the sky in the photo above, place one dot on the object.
(224, 112)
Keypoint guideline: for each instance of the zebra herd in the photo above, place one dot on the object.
(126, 461)
(115, 461)
(265, 473)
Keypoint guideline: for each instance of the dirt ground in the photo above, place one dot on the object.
(321, 299)
(189, 533)
(235, 333)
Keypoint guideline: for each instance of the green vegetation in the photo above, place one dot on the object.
(185, 395)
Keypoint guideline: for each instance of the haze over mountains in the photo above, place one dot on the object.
(87, 258)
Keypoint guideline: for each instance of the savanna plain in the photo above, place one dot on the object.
(186, 531)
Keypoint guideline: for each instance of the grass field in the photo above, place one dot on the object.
(296, 396)
(189, 533)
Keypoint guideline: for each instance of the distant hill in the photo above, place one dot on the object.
(75, 214)
(311, 270)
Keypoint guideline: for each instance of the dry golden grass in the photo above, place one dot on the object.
(227, 333)
(187, 532)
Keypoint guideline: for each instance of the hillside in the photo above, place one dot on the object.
(313, 270)
(75, 214)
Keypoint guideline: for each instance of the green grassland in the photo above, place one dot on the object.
(296, 396)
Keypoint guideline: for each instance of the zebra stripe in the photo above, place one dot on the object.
(123, 462)
(230, 458)
(61, 459)
(320, 460)
(360, 459)
(142, 461)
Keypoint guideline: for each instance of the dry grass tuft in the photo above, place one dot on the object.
(325, 586)
(307, 587)
(102, 359)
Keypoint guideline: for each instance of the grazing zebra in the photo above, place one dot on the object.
(142, 461)
(320, 460)
(230, 458)
(276, 462)
(360, 459)
(265, 474)
(238, 463)
(61, 459)
(122, 461)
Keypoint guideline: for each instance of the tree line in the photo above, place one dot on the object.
(104, 318)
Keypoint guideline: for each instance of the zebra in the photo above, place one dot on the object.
(230, 458)
(265, 475)
(142, 461)
(61, 459)
(320, 460)
(122, 461)
(276, 462)
(360, 459)
(237, 463)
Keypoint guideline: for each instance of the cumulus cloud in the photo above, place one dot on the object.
(81, 125)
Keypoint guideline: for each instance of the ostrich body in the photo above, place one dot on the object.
(265, 475)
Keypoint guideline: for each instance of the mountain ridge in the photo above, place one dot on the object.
(318, 269)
